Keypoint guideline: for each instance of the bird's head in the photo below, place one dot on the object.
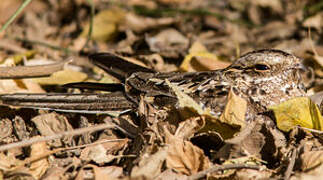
(268, 76)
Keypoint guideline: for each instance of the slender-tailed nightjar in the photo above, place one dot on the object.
(262, 78)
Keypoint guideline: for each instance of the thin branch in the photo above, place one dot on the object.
(291, 165)
(13, 17)
(58, 48)
(202, 174)
(89, 35)
(19, 72)
(33, 159)
(56, 136)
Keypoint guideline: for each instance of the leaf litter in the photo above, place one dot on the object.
(187, 142)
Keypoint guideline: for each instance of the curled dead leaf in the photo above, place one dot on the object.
(311, 159)
(150, 165)
(235, 111)
(199, 59)
(39, 167)
(184, 157)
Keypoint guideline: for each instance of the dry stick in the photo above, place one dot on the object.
(33, 159)
(44, 44)
(56, 136)
(222, 168)
(291, 165)
(31, 71)
(89, 35)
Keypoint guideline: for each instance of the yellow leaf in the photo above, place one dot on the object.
(199, 59)
(184, 100)
(230, 122)
(62, 77)
(105, 24)
(300, 111)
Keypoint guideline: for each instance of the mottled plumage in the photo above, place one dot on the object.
(263, 78)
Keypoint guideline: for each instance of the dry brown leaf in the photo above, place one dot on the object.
(171, 175)
(235, 111)
(150, 165)
(7, 8)
(199, 59)
(39, 167)
(103, 173)
(102, 153)
(231, 121)
(98, 154)
(168, 40)
(315, 21)
(184, 157)
(8, 161)
(54, 173)
(6, 129)
(189, 127)
(19, 86)
(140, 23)
(52, 123)
(311, 159)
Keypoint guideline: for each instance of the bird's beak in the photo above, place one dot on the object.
(301, 67)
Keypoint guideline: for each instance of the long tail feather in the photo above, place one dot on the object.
(116, 66)
(111, 87)
(83, 103)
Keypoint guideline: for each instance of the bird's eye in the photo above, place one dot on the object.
(261, 67)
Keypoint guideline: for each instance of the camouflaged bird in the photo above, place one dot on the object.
(262, 78)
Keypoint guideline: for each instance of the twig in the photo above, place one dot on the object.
(19, 72)
(58, 48)
(89, 35)
(56, 136)
(33, 159)
(12, 18)
(291, 165)
(222, 168)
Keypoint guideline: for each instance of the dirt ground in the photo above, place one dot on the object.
(55, 37)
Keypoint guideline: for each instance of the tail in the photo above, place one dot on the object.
(114, 102)
(80, 103)
(116, 66)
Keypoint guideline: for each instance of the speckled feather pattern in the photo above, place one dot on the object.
(262, 78)
(260, 88)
